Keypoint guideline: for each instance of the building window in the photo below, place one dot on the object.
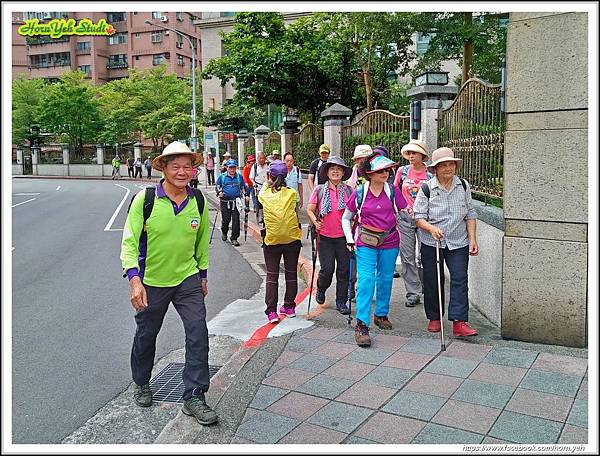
(50, 60)
(156, 37)
(137, 57)
(84, 45)
(179, 16)
(45, 15)
(117, 38)
(158, 59)
(422, 41)
(137, 35)
(156, 14)
(227, 14)
(180, 61)
(85, 68)
(117, 61)
(115, 17)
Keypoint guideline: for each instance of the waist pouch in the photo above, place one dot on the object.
(372, 236)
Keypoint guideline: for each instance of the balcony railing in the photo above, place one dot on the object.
(49, 64)
(83, 51)
(116, 65)
(37, 40)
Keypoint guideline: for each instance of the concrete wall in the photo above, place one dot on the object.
(17, 170)
(545, 252)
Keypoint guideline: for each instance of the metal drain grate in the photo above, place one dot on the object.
(167, 385)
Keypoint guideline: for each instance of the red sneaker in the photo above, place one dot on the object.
(462, 329)
(434, 326)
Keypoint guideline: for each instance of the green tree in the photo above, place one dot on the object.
(70, 110)
(118, 107)
(234, 116)
(477, 40)
(26, 96)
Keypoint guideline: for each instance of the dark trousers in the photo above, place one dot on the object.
(138, 170)
(130, 171)
(188, 300)
(332, 251)
(458, 265)
(149, 170)
(211, 176)
(229, 213)
(273, 254)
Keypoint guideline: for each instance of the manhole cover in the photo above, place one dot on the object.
(167, 385)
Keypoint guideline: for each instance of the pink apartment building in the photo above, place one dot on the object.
(134, 45)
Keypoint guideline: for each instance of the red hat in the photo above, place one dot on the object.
(251, 158)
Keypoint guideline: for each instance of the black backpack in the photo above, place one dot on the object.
(149, 202)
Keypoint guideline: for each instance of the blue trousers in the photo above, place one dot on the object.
(458, 264)
(375, 270)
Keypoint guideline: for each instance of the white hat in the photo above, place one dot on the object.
(362, 151)
(415, 145)
(176, 148)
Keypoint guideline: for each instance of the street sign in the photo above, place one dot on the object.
(226, 137)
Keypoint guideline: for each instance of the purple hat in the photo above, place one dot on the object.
(278, 168)
(382, 150)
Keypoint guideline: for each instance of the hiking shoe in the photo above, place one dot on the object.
(224, 237)
(434, 326)
(289, 311)
(462, 329)
(197, 407)
(396, 275)
(320, 297)
(273, 317)
(361, 334)
(142, 395)
(382, 322)
(235, 242)
(412, 301)
(342, 308)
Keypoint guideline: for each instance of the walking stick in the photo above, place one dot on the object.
(439, 282)
(350, 286)
(214, 224)
(246, 210)
(314, 263)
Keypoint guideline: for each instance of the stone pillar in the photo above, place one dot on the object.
(137, 150)
(100, 154)
(242, 137)
(19, 155)
(431, 98)
(260, 135)
(334, 118)
(545, 251)
(35, 159)
(65, 151)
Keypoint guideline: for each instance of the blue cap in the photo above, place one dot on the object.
(230, 163)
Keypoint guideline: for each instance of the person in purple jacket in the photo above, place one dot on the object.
(376, 242)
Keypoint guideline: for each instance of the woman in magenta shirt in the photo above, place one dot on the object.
(377, 204)
(326, 206)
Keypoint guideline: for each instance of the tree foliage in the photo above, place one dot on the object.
(477, 41)
(234, 116)
(70, 110)
(26, 96)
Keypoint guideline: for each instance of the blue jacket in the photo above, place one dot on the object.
(232, 187)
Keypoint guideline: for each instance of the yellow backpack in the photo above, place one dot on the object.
(279, 213)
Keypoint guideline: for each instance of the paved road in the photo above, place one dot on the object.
(72, 324)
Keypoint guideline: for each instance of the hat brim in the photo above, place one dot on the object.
(413, 148)
(158, 163)
(325, 167)
(458, 162)
(361, 155)
(391, 166)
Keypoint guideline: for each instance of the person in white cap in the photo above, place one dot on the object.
(164, 253)
(408, 180)
(361, 152)
(444, 213)
(226, 156)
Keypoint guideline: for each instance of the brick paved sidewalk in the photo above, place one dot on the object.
(325, 389)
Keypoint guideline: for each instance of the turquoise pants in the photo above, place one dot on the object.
(375, 270)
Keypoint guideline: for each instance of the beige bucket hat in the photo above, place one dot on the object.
(362, 151)
(176, 148)
(443, 154)
(415, 145)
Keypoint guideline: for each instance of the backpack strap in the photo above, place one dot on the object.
(426, 191)
(199, 199)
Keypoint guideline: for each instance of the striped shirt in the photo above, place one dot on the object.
(447, 210)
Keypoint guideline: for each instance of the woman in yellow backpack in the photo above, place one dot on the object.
(281, 236)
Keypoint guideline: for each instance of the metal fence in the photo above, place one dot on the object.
(473, 127)
(273, 141)
(377, 127)
(305, 144)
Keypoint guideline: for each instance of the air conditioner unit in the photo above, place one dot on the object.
(164, 19)
(179, 45)
(47, 15)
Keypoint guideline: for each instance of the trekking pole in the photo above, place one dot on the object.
(246, 210)
(214, 224)
(350, 286)
(314, 263)
(439, 282)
